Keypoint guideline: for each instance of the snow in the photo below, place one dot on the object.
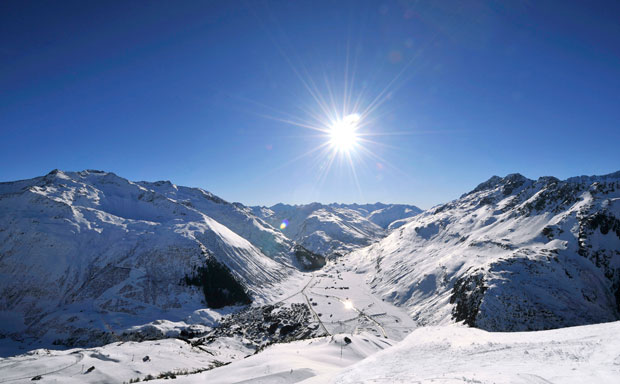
(117, 362)
(456, 354)
(485, 258)
(86, 256)
(296, 361)
(89, 254)
(235, 217)
(370, 323)
(451, 354)
(384, 217)
(335, 229)
(346, 305)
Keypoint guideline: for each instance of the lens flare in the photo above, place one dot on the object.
(284, 224)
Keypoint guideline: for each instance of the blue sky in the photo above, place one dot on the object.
(195, 93)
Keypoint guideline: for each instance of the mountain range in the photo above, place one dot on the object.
(118, 268)
(336, 229)
(87, 254)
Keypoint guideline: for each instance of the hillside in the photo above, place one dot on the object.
(514, 254)
(455, 354)
(85, 255)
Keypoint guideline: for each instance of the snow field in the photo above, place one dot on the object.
(456, 354)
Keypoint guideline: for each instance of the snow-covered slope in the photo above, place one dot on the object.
(295, 362)
(384, 217)
(334, 302)
(455, 354)
(175, 359)
(335, 229)
(443, 354)
(235, 217)
(119, 362)
(86, 254)
(513, 254)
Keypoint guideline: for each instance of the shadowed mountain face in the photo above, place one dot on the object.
(336, 229)
(513, 254)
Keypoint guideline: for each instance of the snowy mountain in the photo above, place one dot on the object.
(513, 254)
(87, 254)
(89, 258)
(335, 229)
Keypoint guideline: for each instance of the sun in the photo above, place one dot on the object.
(343, 133)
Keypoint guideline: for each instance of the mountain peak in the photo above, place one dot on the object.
(515, 177)
(510, 182)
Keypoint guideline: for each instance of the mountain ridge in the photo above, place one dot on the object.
(86, 254)
(513, 254)
(335, 229)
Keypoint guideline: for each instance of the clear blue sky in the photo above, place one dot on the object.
(192, 92)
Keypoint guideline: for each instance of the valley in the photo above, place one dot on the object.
(342, 307)
(108, 280)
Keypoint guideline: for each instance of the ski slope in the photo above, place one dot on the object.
(442, 354)
(456, 354)
(118, 362)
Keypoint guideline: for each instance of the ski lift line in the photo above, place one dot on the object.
(369, 317)
(361, 315)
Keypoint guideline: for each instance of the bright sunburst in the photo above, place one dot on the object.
(343, 133)
(344, 117)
